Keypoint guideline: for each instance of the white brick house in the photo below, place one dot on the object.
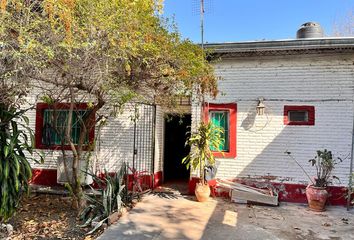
(307, 87)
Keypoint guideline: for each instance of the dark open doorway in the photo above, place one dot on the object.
(176, 128)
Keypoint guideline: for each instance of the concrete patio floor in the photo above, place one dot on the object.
(173, 216)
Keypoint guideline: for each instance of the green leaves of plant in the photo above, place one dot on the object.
(206, 137)
(112, 195)
(6, 151)
(324, 164)
(312, 161)
(15, 170)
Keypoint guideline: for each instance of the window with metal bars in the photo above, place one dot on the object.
(55, 123)
(51, 124)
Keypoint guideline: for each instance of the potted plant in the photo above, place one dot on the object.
(316, 192)
(207, 137)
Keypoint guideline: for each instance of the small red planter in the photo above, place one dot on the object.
(317, 198)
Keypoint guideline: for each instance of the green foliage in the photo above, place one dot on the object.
(113, 195)
(324, 163)
(100, 52)
(47, 99)
(15, 171)
(118, 49)
(208, 136)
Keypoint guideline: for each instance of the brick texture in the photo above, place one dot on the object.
(114, 140)
(323, 81)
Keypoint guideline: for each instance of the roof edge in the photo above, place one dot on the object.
(282, 45)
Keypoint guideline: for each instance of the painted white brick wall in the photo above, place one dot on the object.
(159, 139)
(114, 143)
(117, 138)
(323, 81)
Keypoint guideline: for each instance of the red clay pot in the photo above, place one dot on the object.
(316, 198)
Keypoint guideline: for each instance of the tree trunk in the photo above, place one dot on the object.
(74, 182)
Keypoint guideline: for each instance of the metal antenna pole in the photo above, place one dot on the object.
(202, 10)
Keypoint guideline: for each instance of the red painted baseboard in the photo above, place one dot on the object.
(287, 192)
(146, 180)
(48, 177)
(44, 177)
(157, 179)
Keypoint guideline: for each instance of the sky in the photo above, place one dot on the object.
(248, 20)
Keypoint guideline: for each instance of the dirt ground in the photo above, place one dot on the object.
(47, 217)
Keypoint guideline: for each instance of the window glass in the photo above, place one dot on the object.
(221, 119)
(298, 116)
(55, 123)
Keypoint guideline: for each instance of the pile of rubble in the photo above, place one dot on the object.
(6, 230)
(241, 193)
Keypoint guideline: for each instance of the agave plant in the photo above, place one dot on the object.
(112, 196)
(16, 139)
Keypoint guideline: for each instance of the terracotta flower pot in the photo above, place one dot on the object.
(316, 198)
(202, 192)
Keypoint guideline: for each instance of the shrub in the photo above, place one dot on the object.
(111, 196)
(16, 139)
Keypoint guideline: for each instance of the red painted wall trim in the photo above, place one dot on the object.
(288, 192)
(192, 184)
(232, 108)
(157, 179)
(146, 180)
(311, 114)
(39, 124)
(48, 177)
(44, 177)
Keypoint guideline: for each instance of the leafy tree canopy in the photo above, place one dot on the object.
(113, 49)
(102, 51)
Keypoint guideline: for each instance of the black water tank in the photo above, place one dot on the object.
(310, 30)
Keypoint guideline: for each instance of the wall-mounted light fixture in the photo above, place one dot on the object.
(260, 106)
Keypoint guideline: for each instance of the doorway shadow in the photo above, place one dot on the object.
(176, 134)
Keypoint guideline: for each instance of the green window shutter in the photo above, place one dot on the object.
(221, 119)
(54, 124)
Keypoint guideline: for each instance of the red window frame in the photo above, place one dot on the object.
(309, 109)
(39, 125)
(232, 109)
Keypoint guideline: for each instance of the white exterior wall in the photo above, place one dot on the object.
(323, 81)
(114, 143)
(159, 139)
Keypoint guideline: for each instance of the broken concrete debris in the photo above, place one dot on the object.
(241, 193)
(6, 230)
